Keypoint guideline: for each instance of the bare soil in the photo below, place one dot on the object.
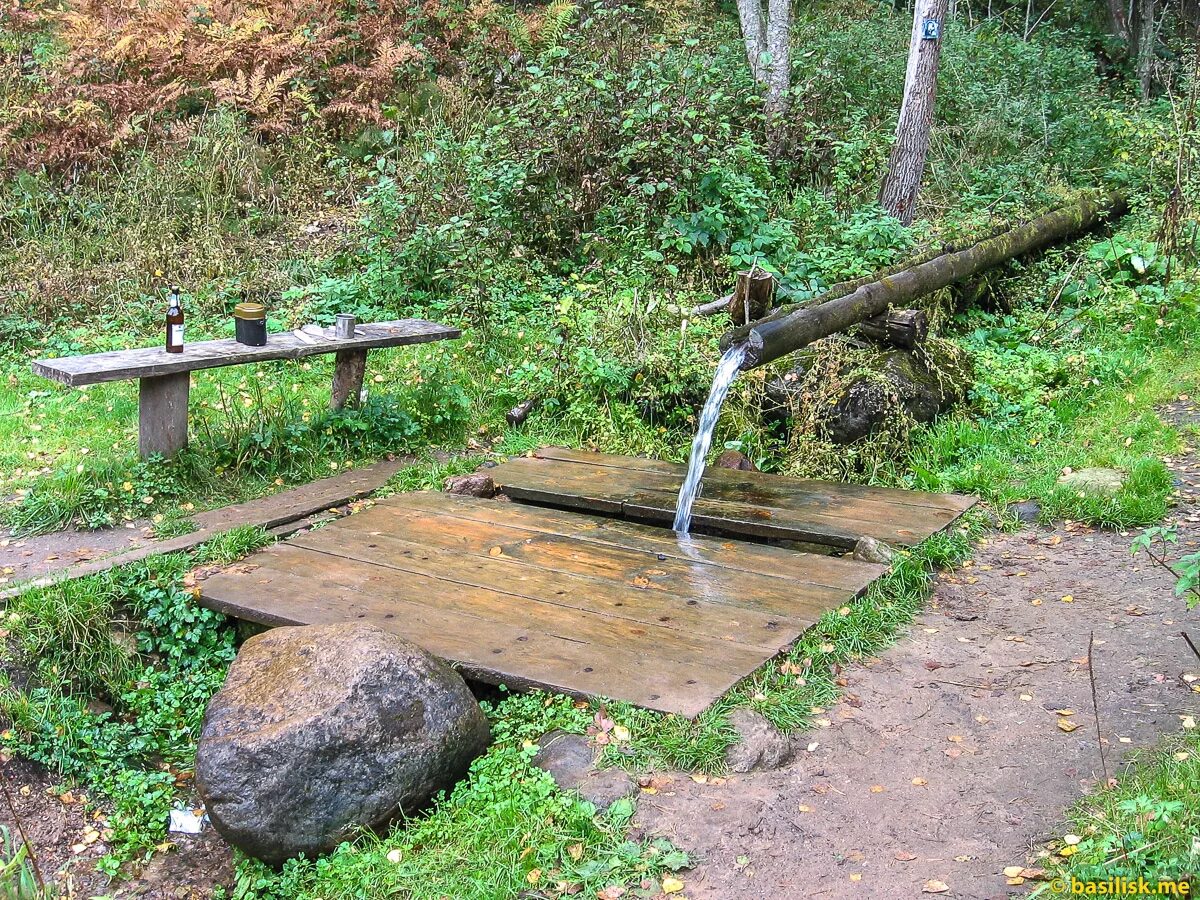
(945, 759)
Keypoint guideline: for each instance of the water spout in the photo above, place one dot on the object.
(727, 370)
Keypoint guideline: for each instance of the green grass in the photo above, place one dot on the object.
(1146, 826)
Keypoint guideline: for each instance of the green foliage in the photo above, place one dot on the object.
(135, 639)
(1145, 825)
(504, 828)
(18, 878)
(1156, 543)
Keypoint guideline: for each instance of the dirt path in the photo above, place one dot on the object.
(954, 765)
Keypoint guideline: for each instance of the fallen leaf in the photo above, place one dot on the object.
(877, 789)
(933, 886)
(1065, 712)
(1189, 722)
(1067, 598)
(620, 732)
(904, 856)
(1026, 697)
(856, 877)
(671, 885)
(963, 858)
(805, 809)
(1067, 725)
(920, 782)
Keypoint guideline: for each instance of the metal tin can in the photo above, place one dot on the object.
(250, 323)
(344, 327)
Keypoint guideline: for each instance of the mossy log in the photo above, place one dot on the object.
(789, 329)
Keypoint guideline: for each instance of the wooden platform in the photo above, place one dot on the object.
(534, 597)
(737, 503)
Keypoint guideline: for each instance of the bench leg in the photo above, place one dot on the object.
(348, 369)
(163, 414)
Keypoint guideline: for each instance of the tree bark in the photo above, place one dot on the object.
(1118, 21)
(750, 14)
(777, 335)
(779, 71)
(906, 164)
(1144, 13)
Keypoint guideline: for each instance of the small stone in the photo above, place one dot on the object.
(759, 746)
(737, 460)
(1096, 480)
(870, 550)
(571, 761)
(1028, 511)
(476, 484)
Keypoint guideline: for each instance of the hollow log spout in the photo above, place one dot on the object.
(790, 329)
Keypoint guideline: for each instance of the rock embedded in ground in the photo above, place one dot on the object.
(1097, 480)
(870, 550)
(759, 746)
(571, 761)
(737, 460)
(1026, 511)
(324, 729)
(476, 484)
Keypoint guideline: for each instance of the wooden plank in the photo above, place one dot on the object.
(549, 569)
(838, 522)
(900, 496)
(575, 618)
(348, 369)
(163, 414)
(734, 502)
(149, 362)
(483, 526)
(776, 562)
(515, 653)
(275, 512)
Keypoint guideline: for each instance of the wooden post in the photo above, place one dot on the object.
(348, 369)
(753, 295)
(163, 414)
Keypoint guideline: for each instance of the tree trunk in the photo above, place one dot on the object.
(750, 14)
(779, 334)
(779, 72)
(1118, 21)
(1146, 34)
(906, 164)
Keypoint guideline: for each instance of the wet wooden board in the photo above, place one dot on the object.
(732, 502)
(538, 598)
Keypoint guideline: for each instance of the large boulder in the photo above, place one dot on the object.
(323, 729)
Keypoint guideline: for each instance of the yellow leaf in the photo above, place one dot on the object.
(933, 886)
(856, 877)
(671, 885)
(920, 782)
(620, 732)
(1065, 712)
(1067, 598)
(534, 876)
(1068, 851)
(877, 789)
(1067, 725)
(575, 851)
(805, 809)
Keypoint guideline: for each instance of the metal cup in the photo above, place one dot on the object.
(344, 328)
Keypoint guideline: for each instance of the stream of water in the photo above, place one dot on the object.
(727, 370)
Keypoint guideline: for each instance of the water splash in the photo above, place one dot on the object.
(727, 370)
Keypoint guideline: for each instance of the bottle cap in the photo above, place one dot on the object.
(250, 310)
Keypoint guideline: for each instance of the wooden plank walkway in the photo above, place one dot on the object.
(739, 503)
(534, 597)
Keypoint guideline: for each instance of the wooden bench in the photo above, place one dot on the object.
(164, 378)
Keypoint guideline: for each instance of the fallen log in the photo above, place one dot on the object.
(790, 329)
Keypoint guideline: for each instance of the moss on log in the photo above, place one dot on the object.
(790, 329)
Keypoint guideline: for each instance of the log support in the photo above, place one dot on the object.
(163, 414)
(790, 329)
(348, 369)
(753, 296)
(903, 328)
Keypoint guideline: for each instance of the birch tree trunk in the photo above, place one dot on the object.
(779, 73)
(906, 164)
(750, 14)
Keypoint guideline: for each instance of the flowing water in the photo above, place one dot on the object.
(727, 370)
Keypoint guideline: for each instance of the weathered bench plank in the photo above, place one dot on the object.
(152, 362)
